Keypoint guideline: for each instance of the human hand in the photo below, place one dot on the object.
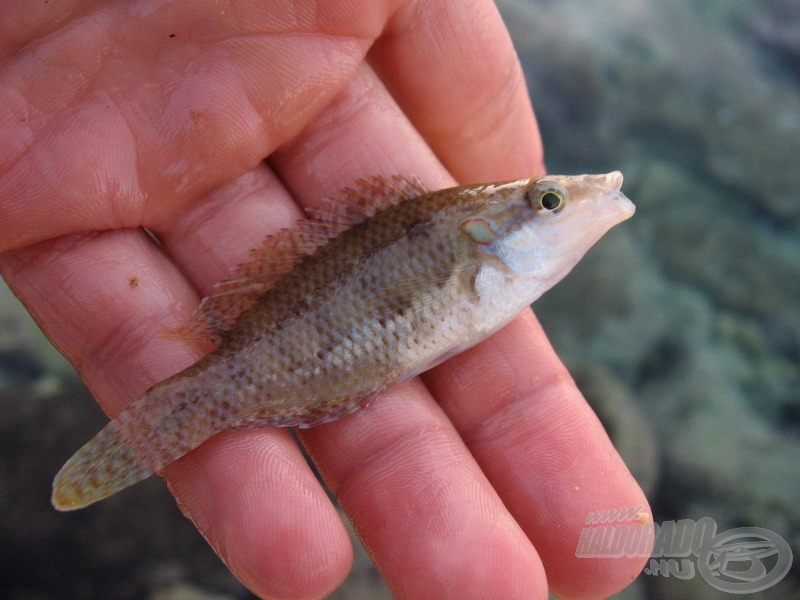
(473, 481)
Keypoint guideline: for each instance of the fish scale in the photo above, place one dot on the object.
(367, 293)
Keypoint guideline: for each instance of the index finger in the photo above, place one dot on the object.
(452, 68)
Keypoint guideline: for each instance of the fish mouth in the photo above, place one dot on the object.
(606, 181)
(624, 205)
(612, 182)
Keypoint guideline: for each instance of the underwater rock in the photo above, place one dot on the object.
(776, 25)
(719, 246)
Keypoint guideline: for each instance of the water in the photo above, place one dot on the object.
(682, 326)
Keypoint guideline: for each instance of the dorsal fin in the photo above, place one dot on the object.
(366, 198)
(283, 251)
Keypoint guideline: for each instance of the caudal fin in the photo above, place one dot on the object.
(104, 466)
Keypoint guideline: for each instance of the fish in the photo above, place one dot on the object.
(367, 291)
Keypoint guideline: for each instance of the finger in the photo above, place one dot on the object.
(86, 146)
(360, 134)
(253, 497)
(22, 21)
(543, 449)
(217, 231)
(427, 515)
(102, 299)
(452, 68)
(399, 460)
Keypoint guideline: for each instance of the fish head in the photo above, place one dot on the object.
(540, 228)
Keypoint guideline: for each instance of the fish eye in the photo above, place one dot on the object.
(547, 198)
(551, 201)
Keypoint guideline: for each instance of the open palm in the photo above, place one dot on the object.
(210, 124)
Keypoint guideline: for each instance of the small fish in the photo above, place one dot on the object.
(363, 294)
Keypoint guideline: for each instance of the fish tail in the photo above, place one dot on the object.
(102, 467)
